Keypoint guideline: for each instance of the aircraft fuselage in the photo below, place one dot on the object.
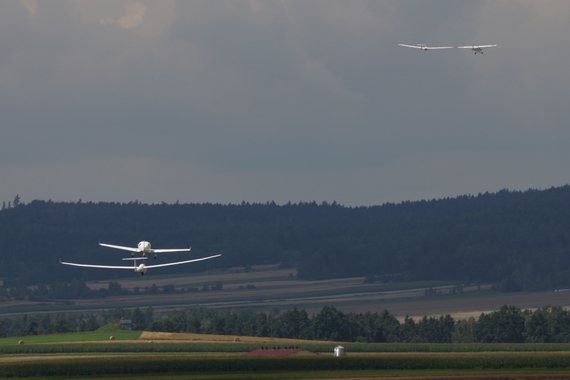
(144, 247)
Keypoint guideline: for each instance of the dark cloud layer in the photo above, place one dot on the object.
(280, 100)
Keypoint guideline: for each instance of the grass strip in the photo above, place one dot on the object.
(72, 337)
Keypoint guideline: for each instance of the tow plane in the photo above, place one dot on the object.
(425, 47)
(145, 248)
(477, 49)
(140, 268)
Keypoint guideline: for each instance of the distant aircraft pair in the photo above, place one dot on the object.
(145, 248)
(477, 49)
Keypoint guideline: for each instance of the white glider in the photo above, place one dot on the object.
(477, 49)
(141, 268)
(145, 248)
(424, 47)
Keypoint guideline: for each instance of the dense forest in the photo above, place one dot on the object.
(507, 325)
(518, 240)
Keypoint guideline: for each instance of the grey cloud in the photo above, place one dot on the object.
(132, 17)
(31, 6)
(284, 100)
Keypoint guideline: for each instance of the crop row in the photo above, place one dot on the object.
(77, 366)
(245, 347)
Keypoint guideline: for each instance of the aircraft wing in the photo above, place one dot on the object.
(120, 247)
(476, 46)
(171, 250)
(97, 266)
(410, 46)
(425, 47)
(182, 262)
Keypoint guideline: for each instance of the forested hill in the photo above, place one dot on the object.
(520, 240)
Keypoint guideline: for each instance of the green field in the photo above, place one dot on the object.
(84, 355)
(236, 365)
(353, 375)
(88, 336)
(129, 342)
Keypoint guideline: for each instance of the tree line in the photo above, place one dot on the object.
(507, 325)
(518, 240)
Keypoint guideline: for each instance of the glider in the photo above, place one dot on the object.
(424, 47)
(141, 268)
(145, 248)
(477, 49)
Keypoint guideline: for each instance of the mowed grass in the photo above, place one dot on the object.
(89, 336)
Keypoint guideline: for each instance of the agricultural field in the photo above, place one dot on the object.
(270, 288)
(201, 356)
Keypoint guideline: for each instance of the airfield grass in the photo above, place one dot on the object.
(88, 336)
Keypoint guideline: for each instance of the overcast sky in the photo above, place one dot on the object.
(224, 101)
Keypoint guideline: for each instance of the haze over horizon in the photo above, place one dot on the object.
(245, 100)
